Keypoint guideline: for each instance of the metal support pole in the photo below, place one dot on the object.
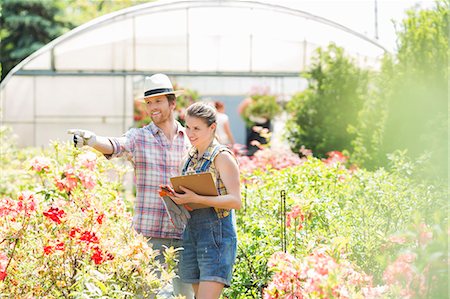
(283, 219)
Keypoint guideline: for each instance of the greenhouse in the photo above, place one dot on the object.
(90, 76)
(342, 192)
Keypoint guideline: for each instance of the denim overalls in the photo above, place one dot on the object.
(209, 239)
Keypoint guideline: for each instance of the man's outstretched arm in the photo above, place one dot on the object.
(85, 137)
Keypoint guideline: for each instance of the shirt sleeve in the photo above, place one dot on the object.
(123, 146)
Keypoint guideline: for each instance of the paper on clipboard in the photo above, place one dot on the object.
(200, 183)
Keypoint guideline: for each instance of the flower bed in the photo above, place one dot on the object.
(65, 230)
(349, 233)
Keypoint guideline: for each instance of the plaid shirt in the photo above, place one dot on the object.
(194, 164)
(155, 161)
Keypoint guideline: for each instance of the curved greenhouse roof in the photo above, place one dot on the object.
(89, 77)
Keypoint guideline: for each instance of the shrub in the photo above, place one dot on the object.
(65, 230)
(350, 212)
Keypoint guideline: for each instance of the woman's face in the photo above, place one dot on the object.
(198, 131)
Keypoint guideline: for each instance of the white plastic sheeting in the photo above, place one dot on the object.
(89, 77)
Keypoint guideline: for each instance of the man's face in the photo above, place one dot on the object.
(159, 109)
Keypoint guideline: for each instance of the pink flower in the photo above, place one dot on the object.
(87, 180)
(8, 207)
(27, 202)
(425, 234)
(397, 239)
(68, 181)
(3, 263)
(305, 152)
(88, 160)
(71, 178)
(401, 270)
(40, 164)
(374, 292)
(335, 157)
(295, 213)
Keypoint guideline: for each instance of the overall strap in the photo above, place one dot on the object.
(186, 164)
(206, 165)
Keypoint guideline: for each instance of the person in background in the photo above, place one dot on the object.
(254, 121)
(156, 151)
(209, 240)
(223, 129)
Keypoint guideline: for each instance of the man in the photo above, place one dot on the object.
(156, 151)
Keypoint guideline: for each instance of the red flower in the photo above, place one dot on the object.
(73, 232)
(60, 246)
(54, 214)
(97, 256)
(89, 237)
(3, 275)
(48, 250)
(100, 218)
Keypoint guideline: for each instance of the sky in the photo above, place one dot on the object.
(359, 15)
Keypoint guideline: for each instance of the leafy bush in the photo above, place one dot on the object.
(417, 102)
(322, 114)
(262, 106)
(349, 214)
(65, 230)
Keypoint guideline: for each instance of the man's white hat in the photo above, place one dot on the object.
(158, 85)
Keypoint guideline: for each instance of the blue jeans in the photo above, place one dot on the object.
(209, 248)
(179, 288)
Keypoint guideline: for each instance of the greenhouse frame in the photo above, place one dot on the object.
(89, 77)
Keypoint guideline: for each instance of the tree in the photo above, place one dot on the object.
(418, 105)
(322, 114)
(82, 11)
(26, 25)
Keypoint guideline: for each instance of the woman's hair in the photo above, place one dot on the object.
(204, 111)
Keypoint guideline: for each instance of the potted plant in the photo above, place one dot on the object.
(262, 108)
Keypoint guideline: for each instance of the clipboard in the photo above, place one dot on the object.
(200, 183)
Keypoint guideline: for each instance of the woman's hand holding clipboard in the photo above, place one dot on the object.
(178, 214)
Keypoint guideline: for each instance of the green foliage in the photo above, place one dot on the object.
(261, 106)
(408, 106)
(321, 115)
(27, 25)
(350, 214)
(82, 11)
(418, 102)
(369, 129)
(183, 101)
(65, 231)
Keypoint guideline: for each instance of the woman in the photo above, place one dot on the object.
(223, 130)
(209, 239)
